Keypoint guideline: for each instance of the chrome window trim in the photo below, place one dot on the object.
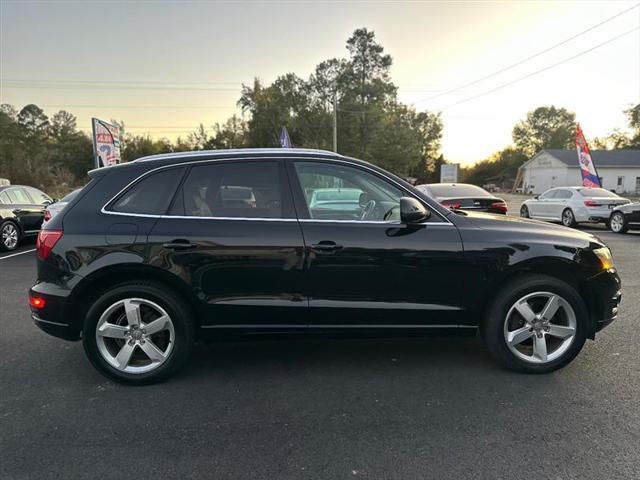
(263, 157)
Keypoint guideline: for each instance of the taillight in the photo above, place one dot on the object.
(47, 215)
(36, 302)
(591, 203)
(501, 206)
(47, 239)
(452, 206)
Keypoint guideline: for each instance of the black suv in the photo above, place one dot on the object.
(155, 254)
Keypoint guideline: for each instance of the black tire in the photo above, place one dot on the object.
(568, 218)
(181, 318)
(617, 223)
(493, 326)
(524, 211)
(6, 244)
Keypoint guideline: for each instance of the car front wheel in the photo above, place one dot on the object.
(9, 236)
(617, 223)
(138, 333)
(537, 325)
(524, 211)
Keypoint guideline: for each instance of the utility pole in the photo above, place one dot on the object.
(335, 121)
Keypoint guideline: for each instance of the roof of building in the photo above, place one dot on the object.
(602, 158)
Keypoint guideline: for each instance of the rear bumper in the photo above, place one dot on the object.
(604, 294)
(52, 317)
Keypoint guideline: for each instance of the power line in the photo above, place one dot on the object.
(122, 82)
(584, 52)
(530, 57)
(141, 106)
(113, 87)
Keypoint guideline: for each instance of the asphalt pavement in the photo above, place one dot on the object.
(378, 409)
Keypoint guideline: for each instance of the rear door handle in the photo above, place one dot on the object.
(179, 244)
(326, 246)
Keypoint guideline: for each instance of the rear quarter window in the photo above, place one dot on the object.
(151, 195)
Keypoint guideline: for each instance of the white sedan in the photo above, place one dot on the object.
(572, 205)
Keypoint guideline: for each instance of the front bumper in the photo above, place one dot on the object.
(603, 296)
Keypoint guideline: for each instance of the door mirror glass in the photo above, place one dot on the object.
(412, 211)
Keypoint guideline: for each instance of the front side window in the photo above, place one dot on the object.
(336, 192)
(231, 190)
(4, 198)
(151, 195)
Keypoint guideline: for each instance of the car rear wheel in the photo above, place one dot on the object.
(138, 333)
(9, 236)
(568, 218)
(537, 325)
(524, 211)
(617, 223)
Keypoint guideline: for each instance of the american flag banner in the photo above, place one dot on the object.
(587, 167)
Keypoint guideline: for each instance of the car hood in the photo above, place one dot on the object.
(516, 226)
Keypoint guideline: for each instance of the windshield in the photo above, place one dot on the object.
(597, 192)
(457, 190)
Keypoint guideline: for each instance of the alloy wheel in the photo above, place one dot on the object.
(567, 218)
(9, 236)
(617, 222)
(524, 211)
(135, 335)
(540, 327)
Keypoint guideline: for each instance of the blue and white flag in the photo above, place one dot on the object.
(285, 141)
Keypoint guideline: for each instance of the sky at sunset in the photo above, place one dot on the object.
(188, 60)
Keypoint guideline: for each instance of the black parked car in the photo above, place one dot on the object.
(463, 196)
(625, 218)
(154, 254)
(21, 214)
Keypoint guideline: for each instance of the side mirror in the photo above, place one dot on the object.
(412, 211)
(536, 197)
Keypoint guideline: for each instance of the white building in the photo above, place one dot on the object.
(619, 170)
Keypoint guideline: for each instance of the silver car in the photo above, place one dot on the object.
(572, 205)
(56, 207)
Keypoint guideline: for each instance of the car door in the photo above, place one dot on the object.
(539, 207)
(555, 204)
(28, 213)
(40, 201)
(364, 268)
(232, 236)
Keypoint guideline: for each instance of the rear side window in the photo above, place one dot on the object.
(564, 194)
(233, 190)
(38, 196)
(151, 195)
(4, 198)
(18, 195)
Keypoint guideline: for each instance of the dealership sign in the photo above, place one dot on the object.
(449, 172)
(106, 143)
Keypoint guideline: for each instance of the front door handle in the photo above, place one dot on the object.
(179, 244)
(326, 246)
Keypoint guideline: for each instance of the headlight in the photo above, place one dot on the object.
(604, 255)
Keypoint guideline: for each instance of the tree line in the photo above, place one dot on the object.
(53, 154)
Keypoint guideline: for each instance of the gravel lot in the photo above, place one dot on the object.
(435, 408)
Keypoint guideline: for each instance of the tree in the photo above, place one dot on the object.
(545, 127)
